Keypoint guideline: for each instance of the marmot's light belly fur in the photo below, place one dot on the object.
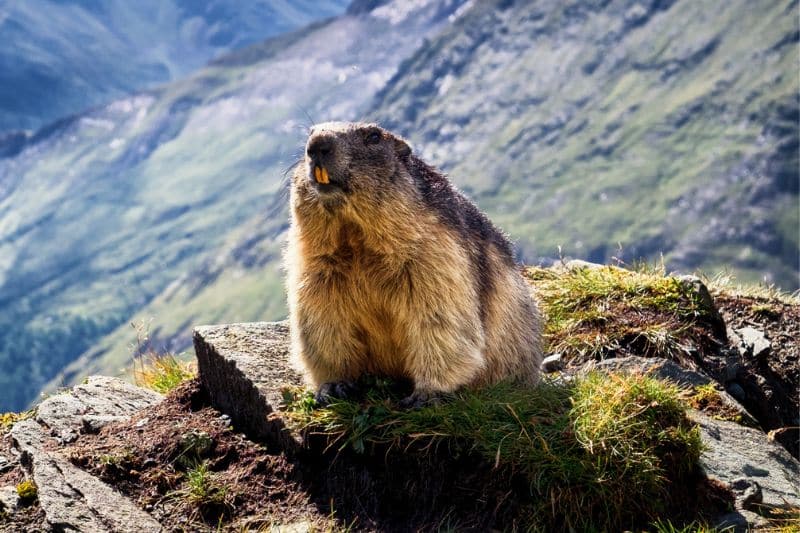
(393, 272)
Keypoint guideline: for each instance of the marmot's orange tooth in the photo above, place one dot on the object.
(325, 177)
(317, 174)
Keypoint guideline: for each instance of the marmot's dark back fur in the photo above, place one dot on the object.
(463, 216)
(391, 271)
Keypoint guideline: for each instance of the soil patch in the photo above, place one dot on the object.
(182, 462)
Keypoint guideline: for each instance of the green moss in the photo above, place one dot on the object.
(765, 311)
(706, 398)
(598, 452)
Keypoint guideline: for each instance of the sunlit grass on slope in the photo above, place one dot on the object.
(598, 452)
(595, 312)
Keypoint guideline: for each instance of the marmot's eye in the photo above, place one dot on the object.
(373, 137)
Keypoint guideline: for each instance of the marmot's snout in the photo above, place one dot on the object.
(321, 151)
(320, 146)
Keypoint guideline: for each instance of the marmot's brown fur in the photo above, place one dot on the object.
(393, 272)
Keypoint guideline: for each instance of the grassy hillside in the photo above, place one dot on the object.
(62, 57)
(658, 127)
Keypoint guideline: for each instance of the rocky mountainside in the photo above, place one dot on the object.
(63, 57)
(580, 127)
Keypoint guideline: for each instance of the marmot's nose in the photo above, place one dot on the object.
(320, 147)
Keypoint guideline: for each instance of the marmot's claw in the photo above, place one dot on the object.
(335, 390)
(419, 399)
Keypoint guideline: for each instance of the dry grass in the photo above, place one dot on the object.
(726, 284)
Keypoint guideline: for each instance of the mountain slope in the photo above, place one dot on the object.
(62, 57)
(101, 213)
(665, 126)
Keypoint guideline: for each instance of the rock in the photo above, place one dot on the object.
(733, 338)
(735, 453)
(654, 366)
(5, 464)
(736, 390)
(71, 499)
(9, 499)
(302, 526)
(552, 363)
(92, 405)
(735, 522)
(243, 367)
(575, 264)
(732, 368)
(711, 315)
(94, 423)
(753, 342)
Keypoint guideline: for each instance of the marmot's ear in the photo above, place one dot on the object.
(401, 147)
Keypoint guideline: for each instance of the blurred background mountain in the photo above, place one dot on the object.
(622, 129)
(61, 57)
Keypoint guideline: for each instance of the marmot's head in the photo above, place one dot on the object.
(346, 161)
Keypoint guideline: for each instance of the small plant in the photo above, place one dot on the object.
(706, 398)
(161, 372)
(7, 420)
(27, 492)
(120, 461)
(202, 490)
(194, 445)
(765, 311)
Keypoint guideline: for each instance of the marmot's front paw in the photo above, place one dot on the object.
(336, 390)
(419, 399)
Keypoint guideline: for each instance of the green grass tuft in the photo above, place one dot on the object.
(726, 284)
(161, 372)
(665, 526)
(593, 313)
(598, 452)
(202, 490)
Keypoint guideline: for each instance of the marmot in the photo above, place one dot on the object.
(393, 272)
